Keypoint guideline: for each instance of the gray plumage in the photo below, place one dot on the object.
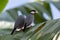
(24, 22)
(19, 23)
(29, 19)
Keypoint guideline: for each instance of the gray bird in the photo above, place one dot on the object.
(19, 23)
(29, 18)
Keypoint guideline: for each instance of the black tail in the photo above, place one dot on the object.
(13, 31)
(25, 27)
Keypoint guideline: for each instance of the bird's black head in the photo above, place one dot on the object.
(33, 12)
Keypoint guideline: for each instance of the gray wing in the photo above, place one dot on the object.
(29, 19)
(19, 21)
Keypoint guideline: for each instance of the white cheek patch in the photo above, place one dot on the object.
(32, 12)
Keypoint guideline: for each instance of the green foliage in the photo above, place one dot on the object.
(2, 4)
(25, 9)
(45, 29)
(13, 13)
(42, 31)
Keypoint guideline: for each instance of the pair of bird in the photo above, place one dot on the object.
(21, 21)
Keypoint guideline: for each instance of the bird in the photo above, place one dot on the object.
(22, 22)
(29, 19)
(19, 23)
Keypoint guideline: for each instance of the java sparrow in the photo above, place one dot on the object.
(29, 19)
(19, 23)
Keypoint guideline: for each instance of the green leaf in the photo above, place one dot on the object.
(13, 13)
(47, 7)
(5, 17)
(42, 31)
(3, 4)
(25, 9)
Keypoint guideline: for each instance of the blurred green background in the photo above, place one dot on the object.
(47, 22)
